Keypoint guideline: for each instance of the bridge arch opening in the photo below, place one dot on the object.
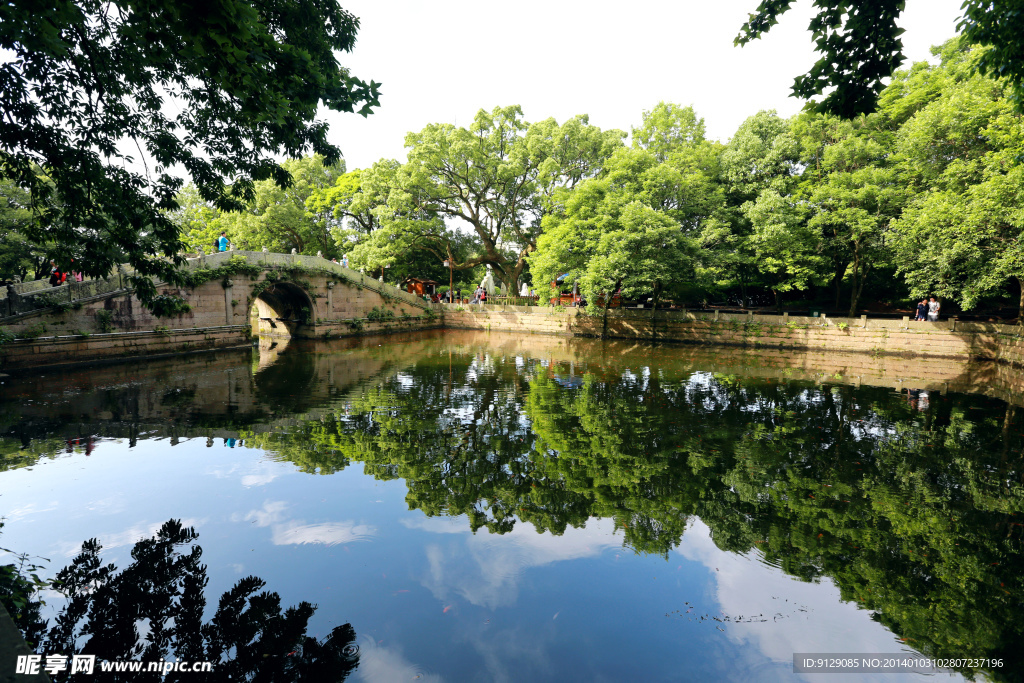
(282, 309)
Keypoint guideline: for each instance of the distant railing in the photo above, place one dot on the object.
(513, 300)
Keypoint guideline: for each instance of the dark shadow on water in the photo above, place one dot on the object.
(153, 611)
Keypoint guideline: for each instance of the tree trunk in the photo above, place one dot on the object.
(654, 310)
(778, 304)
(608, 304)
(1020, 304)
(840, 272)
(854, 296)
(1008, 416)
(857, 285)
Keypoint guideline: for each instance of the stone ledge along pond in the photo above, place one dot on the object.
(482, 507)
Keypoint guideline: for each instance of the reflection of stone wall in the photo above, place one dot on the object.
(937, 374)
(946, 339)
(156, 390)
(259, 390)
(233, 387)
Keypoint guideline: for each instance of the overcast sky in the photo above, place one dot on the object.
(442, 61)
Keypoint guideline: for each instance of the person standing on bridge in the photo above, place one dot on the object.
(222, 242)
(56, 276)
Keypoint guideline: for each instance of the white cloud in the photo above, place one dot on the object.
(379, 664)
(259, 479)
(437, 525)
(294, 532)
(26, 510)
(329, 533)
(272, 511)
(484, 568)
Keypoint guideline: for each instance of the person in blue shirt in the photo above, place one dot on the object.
(222, 243)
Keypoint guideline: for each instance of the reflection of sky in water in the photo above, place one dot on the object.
(426, 596)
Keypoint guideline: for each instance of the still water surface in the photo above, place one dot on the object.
(488, 509)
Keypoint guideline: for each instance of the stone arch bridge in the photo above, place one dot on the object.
(233, 295)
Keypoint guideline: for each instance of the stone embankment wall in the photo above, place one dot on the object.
(946, 339)
(72, 349)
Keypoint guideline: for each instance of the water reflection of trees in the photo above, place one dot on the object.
(915, 514)
(153, 609)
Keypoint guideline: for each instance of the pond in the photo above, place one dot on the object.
(488, 508)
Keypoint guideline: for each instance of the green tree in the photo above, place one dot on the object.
(668, 128)
(348, 205)
(762, 157)
(97, 79)
(961, 234)
(197, 220)
(854, 205)
(786, 249)
(644, 253)
(674, 203)
(493, 181)
(566, 155)
(278, 217)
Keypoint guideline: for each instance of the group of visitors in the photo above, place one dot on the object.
(59, 277)
(479, 296)
(928, 309)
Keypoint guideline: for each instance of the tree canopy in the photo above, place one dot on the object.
(115, 100)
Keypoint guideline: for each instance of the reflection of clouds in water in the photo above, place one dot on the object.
(513, 655)
(294, 532)
(378, 664)
(498, 560)
(26, 510)
(124, 538)
(328, 533)
(106, 506)
(746, 586)
(272, 511)
(437, 525)
(254, 474)
(259, 479)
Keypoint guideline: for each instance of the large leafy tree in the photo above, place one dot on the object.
(961, 234)
(786, 249)
(472, 195)
(636, 226)
(483, 177)
(667, 128)
(762, 158)
(860, 47)
(113, 99)
(280, 219)
(854, 204)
